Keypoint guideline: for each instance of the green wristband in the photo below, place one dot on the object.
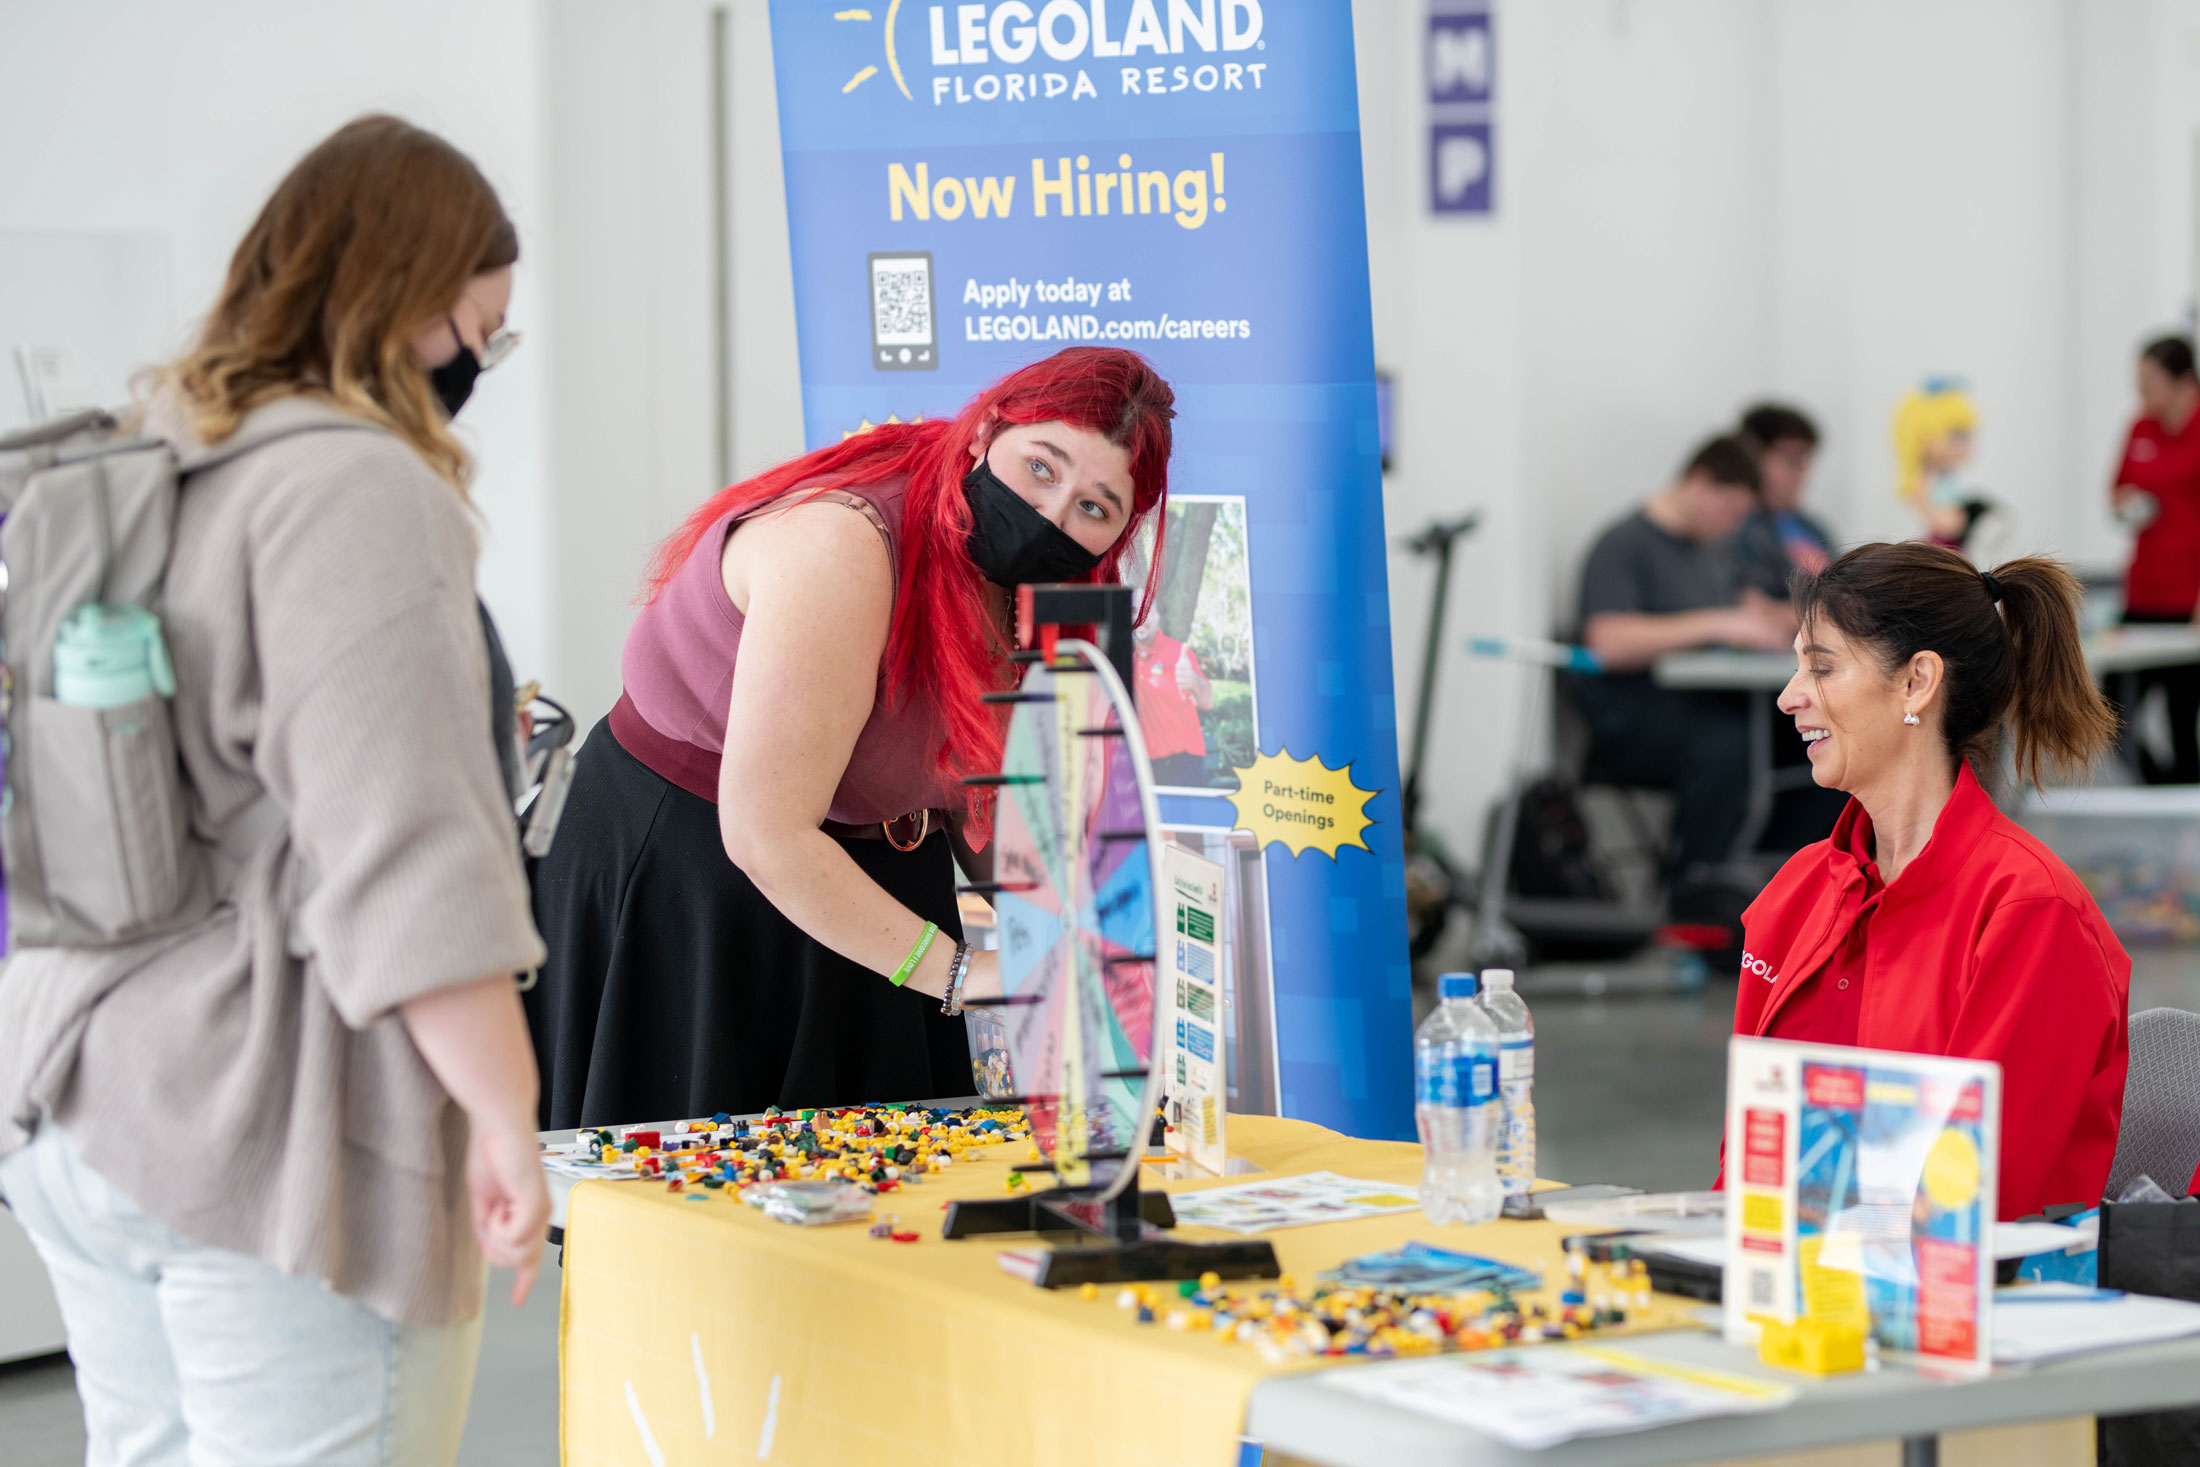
(916, 954)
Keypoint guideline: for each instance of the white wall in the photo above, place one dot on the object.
(1705, 201)
(177, 120)
(1446, 311)
(630, 435)
(766, 395)
(1928, 158)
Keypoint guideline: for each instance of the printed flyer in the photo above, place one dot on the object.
(1863, 1191)
(971, 187)
(1194, 1060)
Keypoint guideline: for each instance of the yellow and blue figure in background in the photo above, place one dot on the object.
(1933, 429)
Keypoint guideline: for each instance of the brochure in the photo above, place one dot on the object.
(1290, 1202)
(1419, 1268)
(1194, 1041)
(1864, 1193)
(1537, 1397)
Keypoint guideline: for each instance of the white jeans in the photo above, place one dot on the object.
(187, 1354)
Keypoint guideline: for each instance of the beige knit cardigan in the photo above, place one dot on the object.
(320, 613)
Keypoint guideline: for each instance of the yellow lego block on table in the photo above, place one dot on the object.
(1812, 1346)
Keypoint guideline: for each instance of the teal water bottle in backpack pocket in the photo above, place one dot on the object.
(109, 813)
(109, 656)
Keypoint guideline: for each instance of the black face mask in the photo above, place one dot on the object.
(1012, 543)
(454, 380)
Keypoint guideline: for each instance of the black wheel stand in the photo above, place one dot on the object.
(1118, 1241)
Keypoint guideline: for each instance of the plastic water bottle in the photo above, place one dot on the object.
(1515, 1079)
(1455, 1058)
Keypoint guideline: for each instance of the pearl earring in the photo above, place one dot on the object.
(1910, 719)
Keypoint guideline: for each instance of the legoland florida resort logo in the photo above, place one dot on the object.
(1038, 52)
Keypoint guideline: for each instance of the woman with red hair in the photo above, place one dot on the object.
(751, 901)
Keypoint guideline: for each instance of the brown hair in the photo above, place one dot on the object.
(2008, 640)
(1729, 459)
(373, 234)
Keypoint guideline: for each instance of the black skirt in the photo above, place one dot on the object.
(674, 988)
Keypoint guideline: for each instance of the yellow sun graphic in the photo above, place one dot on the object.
(893, 62)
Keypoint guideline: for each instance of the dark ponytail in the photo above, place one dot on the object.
(2009, 642)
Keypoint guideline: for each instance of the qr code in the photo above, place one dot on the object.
(1760, 1289)
(901, 302)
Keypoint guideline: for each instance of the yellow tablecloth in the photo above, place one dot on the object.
(704, 1332)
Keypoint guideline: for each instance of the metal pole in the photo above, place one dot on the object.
(1410, 804)
(721, 235)
(1758, 812)
(1921, 1451)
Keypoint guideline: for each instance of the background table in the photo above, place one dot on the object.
(2121, 653)
(1321, 1423)
(719, 1333)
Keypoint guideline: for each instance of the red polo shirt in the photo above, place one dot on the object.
(2164, 578)
(1828, 1006)
(1985, 947)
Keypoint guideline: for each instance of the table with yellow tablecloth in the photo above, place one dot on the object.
(703, 1331)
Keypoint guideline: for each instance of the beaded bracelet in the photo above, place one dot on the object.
(916, 954)
(957, 970)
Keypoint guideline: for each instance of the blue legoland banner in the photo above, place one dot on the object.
(973, 186)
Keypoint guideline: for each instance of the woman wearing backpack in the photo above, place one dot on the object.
(751, 901)
(263, 1159)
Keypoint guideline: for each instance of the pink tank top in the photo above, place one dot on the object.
(678, 671)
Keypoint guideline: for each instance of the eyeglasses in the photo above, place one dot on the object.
(499, 347)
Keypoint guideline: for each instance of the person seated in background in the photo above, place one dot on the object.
(1666, 578)
(1779, 543)
(1172, 692)
(2157, 494)
(1779, 538)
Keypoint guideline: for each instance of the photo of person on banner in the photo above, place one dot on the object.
(1194, 660)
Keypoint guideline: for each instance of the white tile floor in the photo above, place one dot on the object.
(1629, 1089)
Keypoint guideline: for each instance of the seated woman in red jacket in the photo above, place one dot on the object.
(1930, 922)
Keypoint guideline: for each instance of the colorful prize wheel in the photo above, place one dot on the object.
(1077, 866)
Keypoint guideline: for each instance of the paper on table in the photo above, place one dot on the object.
(1711, 1252)
(2011, 1240)
(1290, 1202)
(2032, 1324)
(589, 1171)
(2023, 1239)
(1535, 1398)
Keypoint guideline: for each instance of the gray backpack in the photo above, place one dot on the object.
(95, 834)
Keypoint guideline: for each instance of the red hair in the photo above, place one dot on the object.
(939, 638)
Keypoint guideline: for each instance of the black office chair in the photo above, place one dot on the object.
(1548, 889)
(2160, 1135)
(1649, 842)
